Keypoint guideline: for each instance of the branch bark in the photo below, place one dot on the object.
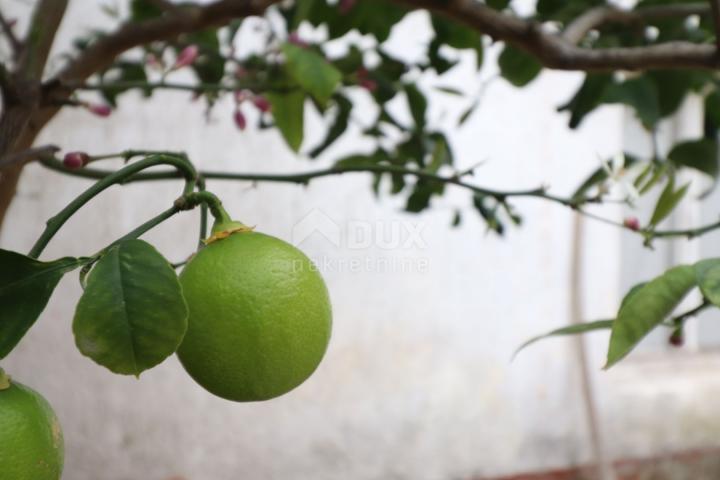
(715, 6)
(557, 52)
(12, 39)
(599, 16)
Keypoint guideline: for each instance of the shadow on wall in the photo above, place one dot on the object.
(690, 465)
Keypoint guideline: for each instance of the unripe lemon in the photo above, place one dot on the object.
(259, 317)
(31, 442)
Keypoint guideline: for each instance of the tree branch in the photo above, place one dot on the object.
(715, 6)
(12, 39)
(554, 51)
(24, 156)
(599, 16)
(181, 20)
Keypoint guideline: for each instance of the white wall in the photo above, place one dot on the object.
(417, 382)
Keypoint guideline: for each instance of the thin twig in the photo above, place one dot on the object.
(7, 29)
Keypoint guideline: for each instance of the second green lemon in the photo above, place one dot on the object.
(260, 317)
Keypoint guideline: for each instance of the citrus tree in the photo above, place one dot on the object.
(249, 316)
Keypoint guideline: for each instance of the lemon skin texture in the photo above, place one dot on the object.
(259, 317)
(31, 441)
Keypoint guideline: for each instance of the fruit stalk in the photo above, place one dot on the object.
(125, 173)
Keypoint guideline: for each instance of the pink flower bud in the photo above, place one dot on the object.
(261, 103)
(100, 110)
(241, 96)
(295, 39)
(632, 223)
(152, 61)
(677, 339)
(345, 6)
(240, 120)
(76, 160)
(187, 56)
(368, 83)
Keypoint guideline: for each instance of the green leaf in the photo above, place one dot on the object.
(707, 273)
(498, 4)
(26, 285)
(210, 65)
(311, 71)
(340, 124)
(647, 308)
(638, 93)
(123, 72)
(517, 66)
(288, 112)
(132, 315)
(143, 10)
(418, 105)
(632, 292)
(569, 330)
(702, 155)
(668, 201)
(588, 97)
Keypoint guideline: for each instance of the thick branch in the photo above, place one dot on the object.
(599, 16)
(556, 52)
(102, 53)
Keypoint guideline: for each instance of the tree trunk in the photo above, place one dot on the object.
(9, 177)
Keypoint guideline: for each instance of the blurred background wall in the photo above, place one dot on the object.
(417, 382)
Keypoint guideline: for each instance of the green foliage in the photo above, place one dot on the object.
(26, 285)
(569, 330)
(517, 66)
(701, 155)
(288, 111)
(315, 75)
(646, 308)
(668, 200)
(132, 314)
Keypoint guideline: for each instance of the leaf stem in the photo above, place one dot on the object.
(184, 169)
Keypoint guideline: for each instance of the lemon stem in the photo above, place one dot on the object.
(4, 380)
(191, 200)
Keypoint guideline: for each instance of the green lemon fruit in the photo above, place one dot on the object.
(260, 317)
(31, 442)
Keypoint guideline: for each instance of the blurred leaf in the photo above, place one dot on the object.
(457, 218)
(708, 278)
(288, 112)
(132, 314)
(638, 93)
(488, 214)
(143, 10)
(588, 97)
(418, 105)
(340, 124)
(702, 155)
(123, 72)
(517, 66)
(672, 87)
(569, 330)
(668, 201)
(647, 308)
(26, 285)
(498, 4)
(311, 71)
(210, 65)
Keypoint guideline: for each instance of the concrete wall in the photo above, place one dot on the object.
(417, 383)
